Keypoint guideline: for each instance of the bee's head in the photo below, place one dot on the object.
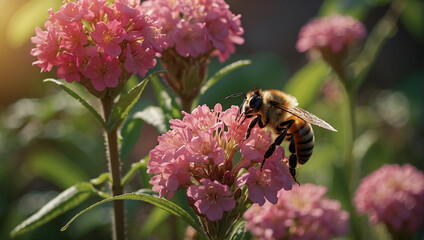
(253, 101)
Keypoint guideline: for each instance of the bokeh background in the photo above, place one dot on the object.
(48, 141)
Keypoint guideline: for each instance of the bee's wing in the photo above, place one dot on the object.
(306, 116)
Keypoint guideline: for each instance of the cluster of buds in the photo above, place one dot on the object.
(393, 195)
(333, 33)
(206, 153)
(332, 37)
(195, 30)
(98, 43)
(301, 213)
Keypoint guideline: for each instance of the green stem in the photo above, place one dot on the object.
(384, 29)
(350, 168)
(351, 135)
(111, 137)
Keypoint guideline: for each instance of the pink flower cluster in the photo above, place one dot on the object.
(196, 27)
(393, 195)
(199, 154)
(302, 213)
(333, 33)
(98, 41)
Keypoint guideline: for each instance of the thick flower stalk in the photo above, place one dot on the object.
(206, 154)
(98, 43)
(332, 36)
(195, 30)
(393, 195)
(302, 213)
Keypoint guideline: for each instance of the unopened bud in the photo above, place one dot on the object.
(229, 178)
(237, 194)
(221, 173)
(229, 165)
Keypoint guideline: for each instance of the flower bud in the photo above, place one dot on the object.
(229, 178)
(237, 194)
(228, 165)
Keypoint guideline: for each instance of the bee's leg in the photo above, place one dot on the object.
(252, 124)
(292, 158)
(292, 146)
(246, 116)
(293, 174)
(271, 148)
(261, 124)
(286, 124)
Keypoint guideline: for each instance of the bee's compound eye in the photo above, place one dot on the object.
(253, 101)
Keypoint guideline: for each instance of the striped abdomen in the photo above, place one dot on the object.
(304, 140)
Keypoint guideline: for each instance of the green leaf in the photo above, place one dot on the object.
(156, 218)
(146, 195)
(305, 83)
(221, 73)
(145, 177)
(130, 133)
(412, 18)
(80, 99)
(154, 116)
(218, 75)
(167, 102)
(357, 9)
(101, 179)
(56, 167)
(134, 168)
(65, 201)
(124, 105)
(239, 231)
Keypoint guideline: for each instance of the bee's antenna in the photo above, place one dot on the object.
(239, 113)
(237, 95)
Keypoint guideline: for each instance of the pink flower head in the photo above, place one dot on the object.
(70, 68)
(171, 175)
(302, 213)
(333, 33)
(95, 42)
(204, 147)
(393, 195)
(103, 72)
(211, 198)
(264, 184)
(254, 148)
(197, 27)
(191, 39)
(138, 59)
(109, 36)
(199, 152)
(47, 48)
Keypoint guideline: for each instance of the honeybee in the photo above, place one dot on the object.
(279, 112)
